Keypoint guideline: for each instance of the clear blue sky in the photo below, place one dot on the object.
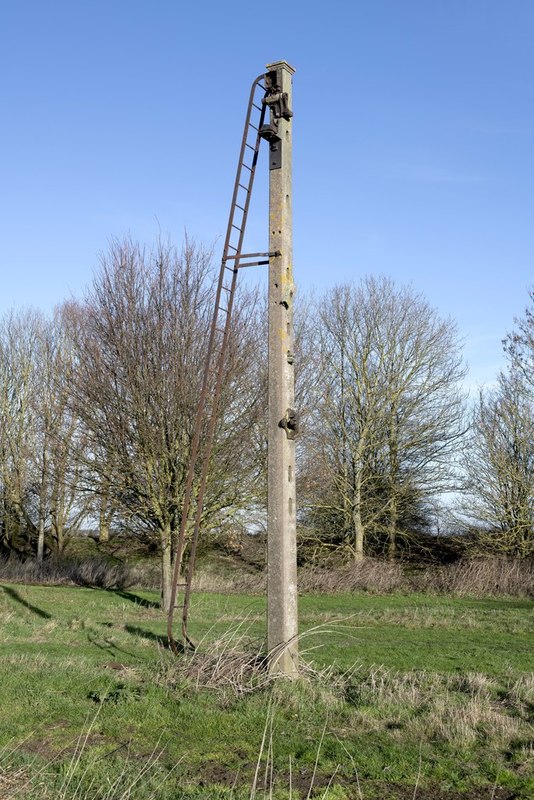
(413, 142)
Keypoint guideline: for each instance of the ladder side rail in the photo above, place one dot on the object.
(241, 162)
(180, 545)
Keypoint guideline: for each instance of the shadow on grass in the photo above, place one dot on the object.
(34, 609)
(108, 645)
(152, 637)
(135, 598)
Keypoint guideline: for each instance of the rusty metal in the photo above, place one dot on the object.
(213, 370)
(254, 255)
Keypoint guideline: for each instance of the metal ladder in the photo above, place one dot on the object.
(208, 404)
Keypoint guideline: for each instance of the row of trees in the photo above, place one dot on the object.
(97, 407)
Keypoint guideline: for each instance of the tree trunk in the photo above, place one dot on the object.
(60, 536)
(13, 528)
(106, 514)
(358, 529)
(103, 527)
(166, 569)
(357, 522)
(40, 541)
(392, 529)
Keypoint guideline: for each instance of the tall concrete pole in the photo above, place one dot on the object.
(282, 619)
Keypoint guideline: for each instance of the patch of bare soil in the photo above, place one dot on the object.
(46, 745)
(390, 791)
(218, 774)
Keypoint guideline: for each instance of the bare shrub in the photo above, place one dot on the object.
(368, 575)
(237, 664)
(234, 662)
(477, 577)
(480, 576)
(94, 572)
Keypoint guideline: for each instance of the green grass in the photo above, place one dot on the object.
(427, 690)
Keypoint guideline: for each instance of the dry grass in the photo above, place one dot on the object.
(493, 577)
(454, 708)
(209, 579)
(368, 576)
(481, 576)
(490, 577)
(13, 782)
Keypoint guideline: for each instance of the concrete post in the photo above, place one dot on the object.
(282, 619)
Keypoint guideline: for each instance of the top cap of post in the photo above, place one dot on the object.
(281, 65)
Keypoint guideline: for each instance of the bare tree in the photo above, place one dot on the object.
(60, 440)
(499, 464)
(389, 409)
(519, 345)
(500, 468)
(140, 337)
(18, 344)
(39, 476)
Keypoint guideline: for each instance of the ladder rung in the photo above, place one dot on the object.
(253, 126)
(250, 146)
(244, 187)
(246, 167)
(258, 107)
(233, 248)
(237, 229)
(240, 207)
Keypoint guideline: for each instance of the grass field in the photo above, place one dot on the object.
(406, 696)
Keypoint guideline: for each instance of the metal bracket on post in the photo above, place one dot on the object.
(275, 147)
(277, 102)
(290, 423)
(275, 98)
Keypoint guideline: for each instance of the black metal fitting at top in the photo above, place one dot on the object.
(275, 98)
(290, 422)
(277, 102)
